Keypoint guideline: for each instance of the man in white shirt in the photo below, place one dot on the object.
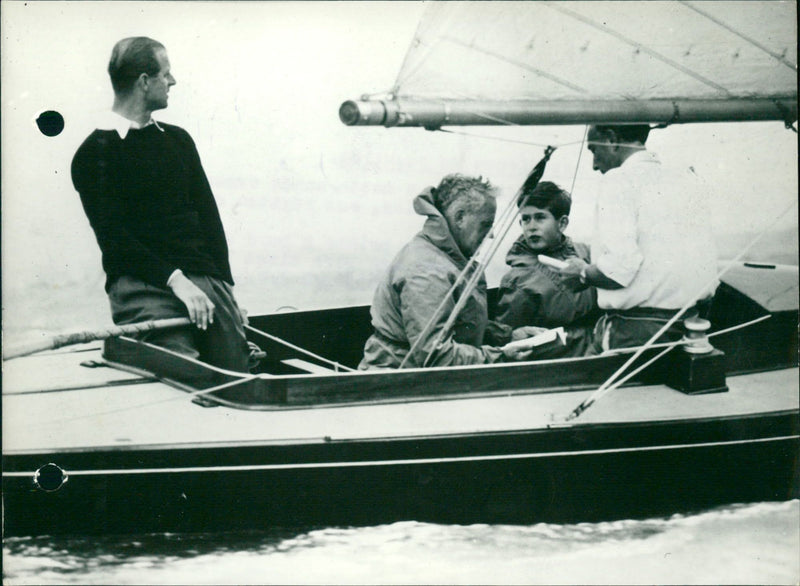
(652, 252)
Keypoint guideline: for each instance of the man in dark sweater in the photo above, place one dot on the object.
(149, 202)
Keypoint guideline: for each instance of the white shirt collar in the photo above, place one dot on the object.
(113, 121)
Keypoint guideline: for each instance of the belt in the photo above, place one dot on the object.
(653, 312)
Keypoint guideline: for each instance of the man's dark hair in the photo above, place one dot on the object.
(454, 187)
(129, 59)
(547, 196)
(625, 133)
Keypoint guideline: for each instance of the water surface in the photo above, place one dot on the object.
(740, 544)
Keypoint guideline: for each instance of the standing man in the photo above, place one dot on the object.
(652, 252)
(147, 198)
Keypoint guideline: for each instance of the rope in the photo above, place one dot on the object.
(335, 365)
(62, 340)
(192, 394)
(682, 342)
(510, 140)
(669, 346)
(201, 392)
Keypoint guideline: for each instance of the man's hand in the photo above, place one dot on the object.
(574, 266)
(518, 352)
(591, 275)
(199, 306)
(526, 332)
(515, 353)
(575, 273)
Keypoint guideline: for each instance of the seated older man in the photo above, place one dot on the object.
(460, 213)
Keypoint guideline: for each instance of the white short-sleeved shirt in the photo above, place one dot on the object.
(653, 236)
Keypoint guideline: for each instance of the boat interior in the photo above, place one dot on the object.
(312, 356)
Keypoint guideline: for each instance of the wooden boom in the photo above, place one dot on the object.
(433, 114)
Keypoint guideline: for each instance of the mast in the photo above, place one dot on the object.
(433, 114)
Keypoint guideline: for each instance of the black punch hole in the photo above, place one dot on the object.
(49, 477)
(50, 123)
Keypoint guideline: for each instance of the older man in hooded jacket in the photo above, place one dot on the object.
(460, 213)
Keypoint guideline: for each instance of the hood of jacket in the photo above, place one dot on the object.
(435, 230)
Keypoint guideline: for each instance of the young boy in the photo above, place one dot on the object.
(532, 293)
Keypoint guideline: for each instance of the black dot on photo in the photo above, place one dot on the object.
(50, 123)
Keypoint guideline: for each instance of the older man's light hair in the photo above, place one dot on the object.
(470, 192)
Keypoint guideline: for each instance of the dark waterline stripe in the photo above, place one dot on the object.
(404, 462)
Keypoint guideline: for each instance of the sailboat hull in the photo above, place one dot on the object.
(581, 473)
(111, 441)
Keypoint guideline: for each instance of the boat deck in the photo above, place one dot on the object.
(52, 403)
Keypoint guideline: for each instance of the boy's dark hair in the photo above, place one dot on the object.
(129, 59)
(625, 133)
(548, 196)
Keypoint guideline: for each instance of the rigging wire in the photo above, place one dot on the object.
(669, 346)
(191, 394)
(504, 225)
(337, 366)
(684, 341)
(578, 162)
(571, 143)
(509, 140)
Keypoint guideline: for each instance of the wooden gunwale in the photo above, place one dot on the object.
(268, 392)
(551, 441)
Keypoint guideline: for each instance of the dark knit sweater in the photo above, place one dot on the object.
(150, 205)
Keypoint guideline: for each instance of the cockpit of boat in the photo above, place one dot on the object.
(312, 356)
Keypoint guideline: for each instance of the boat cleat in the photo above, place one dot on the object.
(697, 368)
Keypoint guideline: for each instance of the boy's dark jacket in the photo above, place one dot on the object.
(532, 294)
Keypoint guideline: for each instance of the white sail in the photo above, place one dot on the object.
(577, 62)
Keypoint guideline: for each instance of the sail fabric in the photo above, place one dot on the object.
(602, 50)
